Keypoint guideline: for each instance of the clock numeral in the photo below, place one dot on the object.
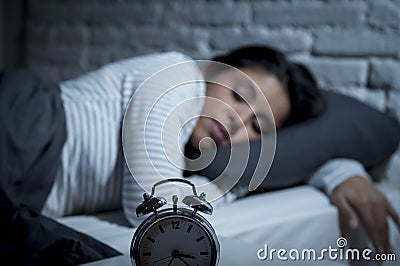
(161, 229)
(175, 225)
(189, 229)
(204, 253)
(146, 253)
(199, 239)
(150, 239)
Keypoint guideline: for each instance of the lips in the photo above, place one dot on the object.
(219, 132)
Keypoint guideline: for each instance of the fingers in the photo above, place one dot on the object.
(371, 209)
(377, 226)
(360, 201)
(347, 215)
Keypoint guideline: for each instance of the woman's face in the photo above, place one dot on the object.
(240, 113)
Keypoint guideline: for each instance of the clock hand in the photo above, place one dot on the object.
(171, 261)
(184, 261)
(187, 256)
(165, 258)
(174, 254)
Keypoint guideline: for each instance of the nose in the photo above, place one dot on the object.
(239, 117)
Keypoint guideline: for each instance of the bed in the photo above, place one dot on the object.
(300, 217)
(297, 217)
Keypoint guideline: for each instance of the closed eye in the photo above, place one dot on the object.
(237, 97)
(256, 125)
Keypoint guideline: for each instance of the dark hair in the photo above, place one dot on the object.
(305, 98)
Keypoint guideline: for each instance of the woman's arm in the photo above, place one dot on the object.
(334, 172)
(357, 199)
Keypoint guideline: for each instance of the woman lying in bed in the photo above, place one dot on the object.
(237, 109)
(267, 92)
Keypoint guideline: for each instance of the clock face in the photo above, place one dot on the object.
(176, 240)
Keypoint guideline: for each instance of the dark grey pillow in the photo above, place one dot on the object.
(347, 129)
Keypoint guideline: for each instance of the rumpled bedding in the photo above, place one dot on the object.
(32, 134)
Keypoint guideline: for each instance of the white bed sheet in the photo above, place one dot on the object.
(299, 217)
(271, 218)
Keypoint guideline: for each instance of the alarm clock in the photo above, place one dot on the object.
(174, 236)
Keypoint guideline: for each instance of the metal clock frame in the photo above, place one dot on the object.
(173, 213)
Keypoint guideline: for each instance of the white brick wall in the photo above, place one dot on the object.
(351, 46)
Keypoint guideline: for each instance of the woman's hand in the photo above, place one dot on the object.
(358, 200)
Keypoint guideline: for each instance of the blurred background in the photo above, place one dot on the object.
(351, 46)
